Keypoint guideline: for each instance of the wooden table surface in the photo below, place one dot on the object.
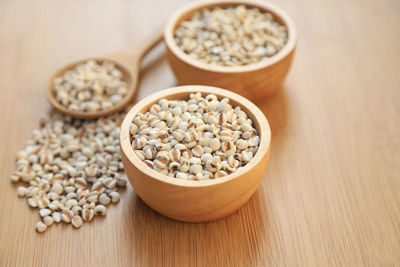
(331, 195)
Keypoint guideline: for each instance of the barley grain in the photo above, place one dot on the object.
(40, 227)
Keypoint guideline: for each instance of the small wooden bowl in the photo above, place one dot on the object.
(195, 201)
(254, 81)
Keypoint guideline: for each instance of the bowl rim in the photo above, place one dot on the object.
(252, 110)
(190, 8)
(128, 78)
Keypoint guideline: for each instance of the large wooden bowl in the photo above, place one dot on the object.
(195, 201)
(254, 81)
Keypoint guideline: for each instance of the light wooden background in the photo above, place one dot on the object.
(331, 195)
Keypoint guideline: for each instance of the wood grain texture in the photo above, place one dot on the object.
(331, 193)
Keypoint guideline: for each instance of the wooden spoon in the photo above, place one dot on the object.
(128, 62)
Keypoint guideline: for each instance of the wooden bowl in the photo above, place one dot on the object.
(195, 201)
(254, 81)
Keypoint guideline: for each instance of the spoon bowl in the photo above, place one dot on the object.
(128, 75)
(127, 62)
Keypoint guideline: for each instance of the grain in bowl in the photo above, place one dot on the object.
(199, 138)
(231, 36)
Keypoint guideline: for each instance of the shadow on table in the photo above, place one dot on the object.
(277, 110)
(237, 238)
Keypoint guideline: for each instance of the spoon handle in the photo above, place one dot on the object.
(131, 58)
(149, 43)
